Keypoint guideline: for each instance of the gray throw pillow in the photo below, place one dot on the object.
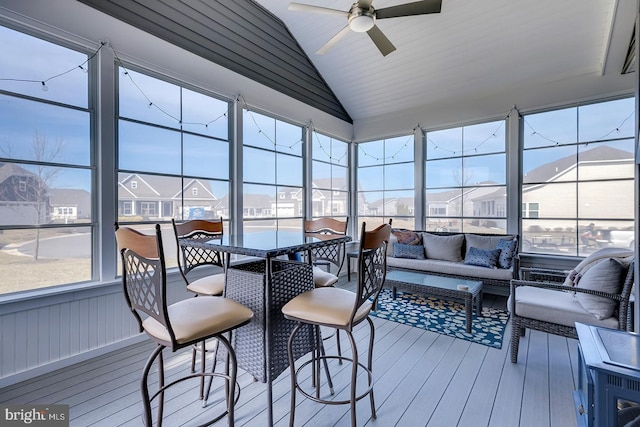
(446, 248)
(606, 275)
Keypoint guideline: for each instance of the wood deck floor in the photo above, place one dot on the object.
(422, 379)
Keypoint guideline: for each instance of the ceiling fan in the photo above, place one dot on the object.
(362, 17)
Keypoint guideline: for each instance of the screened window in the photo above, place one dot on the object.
(465, 179)
(173, 153)
(45, 164)
(386, 182)
(330, 177)
(578, 169)
(273, 199)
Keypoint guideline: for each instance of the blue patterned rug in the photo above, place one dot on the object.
(443, 317)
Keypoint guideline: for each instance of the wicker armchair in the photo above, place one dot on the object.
(545, 302)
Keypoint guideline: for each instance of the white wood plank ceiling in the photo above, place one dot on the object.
(499, 50)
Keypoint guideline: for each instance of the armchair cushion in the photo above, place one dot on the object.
(606, 275)
(556, 307)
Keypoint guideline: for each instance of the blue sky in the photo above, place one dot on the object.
(152, 149)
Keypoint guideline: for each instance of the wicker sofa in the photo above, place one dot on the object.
(469, 256)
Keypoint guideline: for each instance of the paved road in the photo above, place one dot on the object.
(70, 246)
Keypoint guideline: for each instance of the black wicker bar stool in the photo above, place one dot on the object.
(176, 326)
(341, 309)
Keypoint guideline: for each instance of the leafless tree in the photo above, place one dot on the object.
(30, 185)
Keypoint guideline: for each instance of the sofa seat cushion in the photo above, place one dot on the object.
(551, 306)
(451, 268)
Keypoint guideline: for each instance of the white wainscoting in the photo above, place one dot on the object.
(49, 332)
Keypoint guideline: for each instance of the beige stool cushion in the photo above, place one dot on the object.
(325, 306)
(322, 278)
(209, 285)
(196, 318)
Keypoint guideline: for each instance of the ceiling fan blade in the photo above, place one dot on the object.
(318, 9)
(381, 41)
(422, 7)
(333, 40)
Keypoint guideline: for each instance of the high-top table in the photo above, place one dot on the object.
(265, 285)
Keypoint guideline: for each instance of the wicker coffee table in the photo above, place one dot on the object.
(468, 291)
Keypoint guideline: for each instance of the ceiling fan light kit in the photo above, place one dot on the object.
(361, 18)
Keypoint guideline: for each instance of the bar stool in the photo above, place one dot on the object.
(350, 255)
(341, 309)
(191, 258)
(328, 255)
(176, 326)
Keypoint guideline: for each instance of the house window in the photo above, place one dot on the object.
(46, 157)
(194, 191)
(437, 211)
(134, 185)
(578, 163)
(386, 181)
(148, 208)
(465, 171)
(127, 208)
(272, 169)
(531, 210)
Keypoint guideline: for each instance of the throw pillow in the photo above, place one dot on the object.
(606, 275)
(507, 252)
(408, 251)
(446, 248)
(482, 257)
(484, 242)
(598, 255)
(406, 237)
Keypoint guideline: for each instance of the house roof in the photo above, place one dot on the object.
(10, 169)
(599, 153)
